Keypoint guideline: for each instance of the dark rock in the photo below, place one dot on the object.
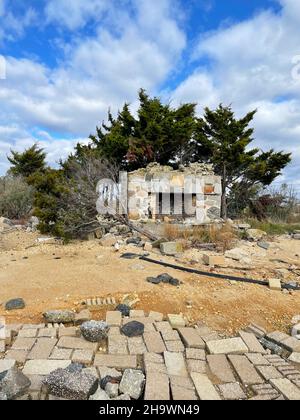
(13, 383)
(124, 309)
(71, 385)
(267, 344)
(165, 278)
(59, 317)
(94, 331)
(109, 379)
(15, 304)
(264, 245)
(134, 241)
(174, 282)
(153, 280)
(75, 368)
(133, 329)
(130, 256)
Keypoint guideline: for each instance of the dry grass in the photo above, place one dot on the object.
(223, 236)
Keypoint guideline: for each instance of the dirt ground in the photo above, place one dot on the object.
(55, 276)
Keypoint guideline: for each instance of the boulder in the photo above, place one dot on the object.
(15, 304)
(94, 331)
(255, 234)
(13, 383)
(133, 329)
(132, 383)
(71, 385)
(59, 317)
(112, 389)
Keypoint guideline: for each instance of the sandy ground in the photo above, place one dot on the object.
(57, 276)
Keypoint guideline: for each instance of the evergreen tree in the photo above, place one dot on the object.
(224, 141)
(30, 161)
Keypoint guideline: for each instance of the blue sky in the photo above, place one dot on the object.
(68, 61)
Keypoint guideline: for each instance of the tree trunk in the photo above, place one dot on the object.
(224, 198)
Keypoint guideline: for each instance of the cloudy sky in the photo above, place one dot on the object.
(68, 61)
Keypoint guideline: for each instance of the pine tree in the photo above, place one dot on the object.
(30, 161)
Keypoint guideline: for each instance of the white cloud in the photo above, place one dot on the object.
(250, 66)
(76, 13)
(102, 70)
(13, 25)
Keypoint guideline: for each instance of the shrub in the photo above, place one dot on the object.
(16, 197)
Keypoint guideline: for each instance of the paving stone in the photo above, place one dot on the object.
(6, 364)
(154, 342)
(265, 390)
(176, 321)
(287, 389)
(83, 316)
(28, 333)
(116, 361)
(269, 372)
(245, 370)
(291, 344)
(114, 331)
(44, 367)
(19, 356)
(68, 332)
(2, 346)
(220, 368)
(277, 337)
(195, 354)
(170, 335)
(204, 387)
(183, 394)
(196, 366)
(36, 383)
(117, 344)
(163, 326)
(157, 387)
(151, 367)
(232, 391)
(275, 284)
(48, 332)
(227, 346)
(61, 354)
(175, 364)
(42, 349)
(84, 357)
(114, 318)
(153, 358)
(92, 370)
(18, 327)
(182, 381)
(257, 359)
(257, 330)
(174, 346)
(191, 338)
(76, 343)
(136, 346)
(295, 358)
(252, 342)
(23, 343)
(137, 314)
(156, 316)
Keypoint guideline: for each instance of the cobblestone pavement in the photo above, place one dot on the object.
(179, 362)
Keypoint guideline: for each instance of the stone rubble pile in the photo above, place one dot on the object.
(147, 357)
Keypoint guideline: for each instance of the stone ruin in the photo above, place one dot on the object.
(191, 194)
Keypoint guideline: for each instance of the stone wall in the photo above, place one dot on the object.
(155, 190)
